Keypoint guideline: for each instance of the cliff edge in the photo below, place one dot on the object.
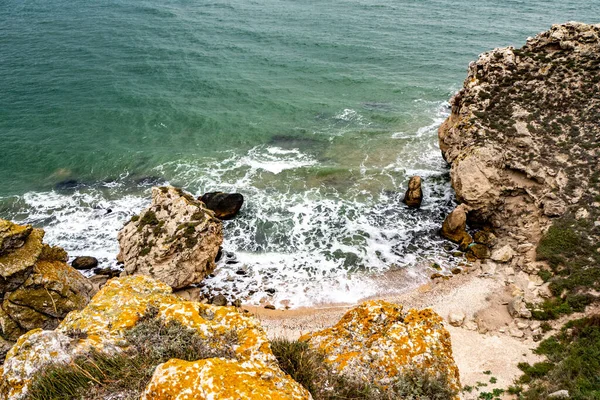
(523, 144)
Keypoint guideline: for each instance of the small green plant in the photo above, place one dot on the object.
(546, 327)
(493, 380)
(573, 362)
(488, 372)
(149, 218)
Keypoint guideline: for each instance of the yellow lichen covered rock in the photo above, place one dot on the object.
(116, 308)
(217, 378)
(377, 341)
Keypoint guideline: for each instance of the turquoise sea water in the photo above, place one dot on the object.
(318, 112)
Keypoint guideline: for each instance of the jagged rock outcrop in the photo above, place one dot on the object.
(117, 308)
(377, 341)
(175, 240)
(523, 139)
(37, 288)
(414, 194)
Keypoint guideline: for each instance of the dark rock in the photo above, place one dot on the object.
(270, 291)
(111, 273)
(241, 272)
(237, 303)
(219, 255)
(414, 195)
(219, 300)
(270, 307)
(84, 262)
(225, 205)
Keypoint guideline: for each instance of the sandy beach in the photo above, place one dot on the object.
(472, 293)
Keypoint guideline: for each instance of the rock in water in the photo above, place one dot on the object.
(250, 369)
(523, 136)
(175, 240)
(455, 225)
(225, 205)
(414, 195)
(84, 262)
(378, 341)
(37, 287)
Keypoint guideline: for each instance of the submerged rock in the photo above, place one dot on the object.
(225, 205)
(175, 240)
(38, 289)
(378, 341)
(414, 194)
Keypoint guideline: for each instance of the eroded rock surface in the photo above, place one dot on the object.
(117, 308)
(37, 288)
(175, 240)
(217, 378)
(377, 341)
(523, 139)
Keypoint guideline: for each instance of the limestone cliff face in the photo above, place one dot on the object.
(523, 139)
(175, 240)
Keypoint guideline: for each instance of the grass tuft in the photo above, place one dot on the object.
(309, 368)
(95, 376)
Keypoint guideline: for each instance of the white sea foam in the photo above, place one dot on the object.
(295, 243)
(275, 159)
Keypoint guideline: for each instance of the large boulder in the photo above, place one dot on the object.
(117, 308)
(37, 288)
(414, 194)
(378, 341)
(225, 205)
(217, 378)
(84, 262)
(454, 227)
(522, 138)
(175, 240)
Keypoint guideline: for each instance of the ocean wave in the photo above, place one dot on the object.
(300, 240)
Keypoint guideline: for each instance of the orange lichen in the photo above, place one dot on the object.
(217, 378)
(116, 308)
(377, 341)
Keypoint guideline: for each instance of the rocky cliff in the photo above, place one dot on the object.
(523, 143)
(136, 339)
(37, 288)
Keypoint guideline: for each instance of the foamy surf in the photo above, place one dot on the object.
(309, 234)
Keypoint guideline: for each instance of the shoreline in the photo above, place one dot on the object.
(471, 293)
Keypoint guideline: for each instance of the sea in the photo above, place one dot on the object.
(318, 112)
